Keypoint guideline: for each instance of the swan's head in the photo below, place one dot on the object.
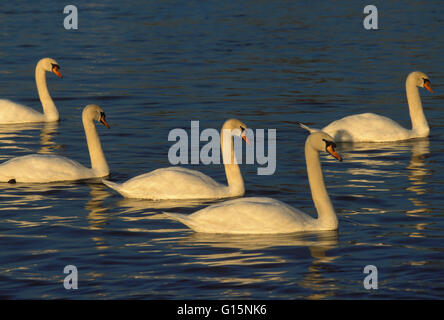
(236, 127)
(94, 112)
(322, 141)
(420, 79)
(50, 65)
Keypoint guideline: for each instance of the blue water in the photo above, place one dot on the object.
(157, 65)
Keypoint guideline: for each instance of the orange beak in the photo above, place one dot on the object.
(332, 151)
(244, 137)
(56, 71)
(428, 86)
(102, 120)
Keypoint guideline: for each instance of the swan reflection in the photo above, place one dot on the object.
(31, 196)
(48, 131)
(97, 212)
(377, 163)
(216, 250)
(19, 137)
(262, 241)
(418, 171)
(32, 205)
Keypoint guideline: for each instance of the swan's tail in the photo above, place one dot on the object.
(311, 130)
(115, 186)
(183, 218)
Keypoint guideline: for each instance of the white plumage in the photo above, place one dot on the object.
(260, 215)
(370, 127)
(12, 112)
(170, 183)
(251, 215)
(38, 168)
(182, 183)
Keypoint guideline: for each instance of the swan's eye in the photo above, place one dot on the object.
(330, 147)
(329, 143)
(427, 85)
(102, 119)
(55, 69)
(242, 129)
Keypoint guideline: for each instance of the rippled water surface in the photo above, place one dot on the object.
(154, 66)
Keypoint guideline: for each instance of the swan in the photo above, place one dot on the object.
(182, 183)
(11, 112)
(261, 215)
(39, 168)
(370, 127)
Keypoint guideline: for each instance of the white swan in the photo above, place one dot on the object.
(40, 168)
(11, 112)
(370, 127)
(259, 215)
(182, 183)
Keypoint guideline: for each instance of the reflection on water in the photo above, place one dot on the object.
(98, 214)
(377, 164)
(34, 196)
(261, 242)
(224, 250)
(418, 171)
(315, 279)
(49, 130)
(18, 136)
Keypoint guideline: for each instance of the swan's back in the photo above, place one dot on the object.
(255, 215)
(11, 112)
(172, 183)
(366, 127)
(42, 168)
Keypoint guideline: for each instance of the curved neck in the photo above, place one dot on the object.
(326, 213)
(49, 109)
(419, 121)
(98, 161)
(232, 170)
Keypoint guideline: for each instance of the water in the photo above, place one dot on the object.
(156, 66)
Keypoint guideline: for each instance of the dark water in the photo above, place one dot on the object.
(156, 65)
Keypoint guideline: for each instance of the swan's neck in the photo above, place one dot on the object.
(326, 213)
(98, 161)
(49, 109)
(232, 170)
(420, 127)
